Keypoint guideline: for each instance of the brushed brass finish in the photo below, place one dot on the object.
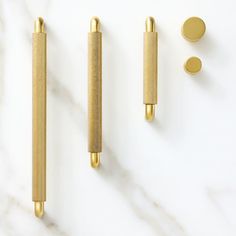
(193, 65)
(150, 69)
(95, 92)
(39, 117)
(193, 29)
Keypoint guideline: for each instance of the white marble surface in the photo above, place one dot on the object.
(174, 177)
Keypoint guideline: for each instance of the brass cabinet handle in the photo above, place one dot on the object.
(95, 92)
(39, 117)
(150, 69)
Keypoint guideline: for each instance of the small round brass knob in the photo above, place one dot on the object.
(193, 29)
(193, 65)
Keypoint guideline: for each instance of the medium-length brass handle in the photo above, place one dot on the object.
(39, 116)
(150, 69)
(95, 92)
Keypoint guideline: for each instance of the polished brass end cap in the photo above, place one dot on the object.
(95, 159)
(150, 24)
(149, 112)
(39, 209)
(193, 29)
(39, 25)
(95, 24)
(193, 65)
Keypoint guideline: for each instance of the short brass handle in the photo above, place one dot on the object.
(150, 69)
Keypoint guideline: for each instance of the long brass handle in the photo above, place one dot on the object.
(39, 117)
(95, 92)
(150, 69)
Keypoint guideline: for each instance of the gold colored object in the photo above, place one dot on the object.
(95, 92)
(149, 112)
(95, 159)
(193, 65)
(39, 209)
(150, 69)
(39, 117)
(193, 29)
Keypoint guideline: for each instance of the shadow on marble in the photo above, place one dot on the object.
(52, 226)
(205, 81)
(206, 45)
(152, 213)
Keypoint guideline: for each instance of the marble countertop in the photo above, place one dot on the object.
(173, 177)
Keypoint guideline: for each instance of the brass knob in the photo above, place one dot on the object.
(193, 65)
(193, 29)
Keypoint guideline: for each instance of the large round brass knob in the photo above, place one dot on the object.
(193, 29)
